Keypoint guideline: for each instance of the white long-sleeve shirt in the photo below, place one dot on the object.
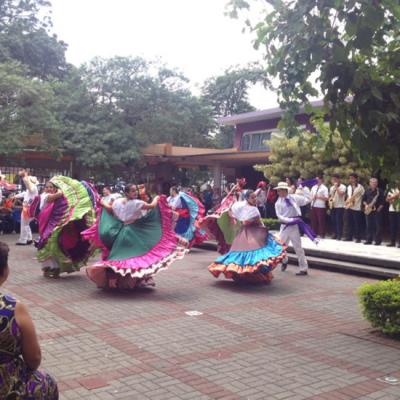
(286, 213)
(27, 196)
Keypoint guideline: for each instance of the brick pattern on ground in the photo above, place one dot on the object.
(296, 338)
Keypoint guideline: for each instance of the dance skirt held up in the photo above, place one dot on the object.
(253, 255)
(60, 223)
(135, 252)
(187, 224)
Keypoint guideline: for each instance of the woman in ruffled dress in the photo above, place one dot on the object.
(189, 211)
(66, 209)
(137, 241)
(254, 252)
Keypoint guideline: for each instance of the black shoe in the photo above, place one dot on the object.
(368, 242)
(301, 273)
(29, 242)
(283, 267)
(347, 240)
(334, 237)
(391, 244)
(378, 243)
(359, 241)
(21, 244)
(339, 238)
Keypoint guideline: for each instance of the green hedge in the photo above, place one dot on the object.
(271, 223)
(381, 305)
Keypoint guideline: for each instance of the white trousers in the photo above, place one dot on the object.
(291, 233)
(26, 233)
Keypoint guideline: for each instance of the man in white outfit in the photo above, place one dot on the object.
(287, 209)
(28, 196)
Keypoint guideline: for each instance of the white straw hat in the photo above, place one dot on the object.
(282, 185)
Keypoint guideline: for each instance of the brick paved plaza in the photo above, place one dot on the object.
(297, 338)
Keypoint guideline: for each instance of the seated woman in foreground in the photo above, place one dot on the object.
(20, 354)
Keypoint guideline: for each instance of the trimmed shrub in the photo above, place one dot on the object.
(381, 305)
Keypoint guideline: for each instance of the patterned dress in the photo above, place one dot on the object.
(17, 380)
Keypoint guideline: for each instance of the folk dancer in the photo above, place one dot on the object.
(393, 198)
(337, 194)
(319, 196)
(374, 201)
(173, 200)
(287, 209)
(137, 241)
(66, 209)
(28, 196)
(109, 196)
(254, 252)
(354, 192)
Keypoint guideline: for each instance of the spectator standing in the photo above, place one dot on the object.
(319, 196)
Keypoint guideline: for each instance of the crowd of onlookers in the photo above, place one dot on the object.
(350, 211)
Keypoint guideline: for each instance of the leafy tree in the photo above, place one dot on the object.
(25, 37)
(348, 50)
(227, 94)
(26, 118)
(113, 108)
(305, 155)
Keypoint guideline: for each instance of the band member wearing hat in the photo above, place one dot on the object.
(28, 196)
(288, 211)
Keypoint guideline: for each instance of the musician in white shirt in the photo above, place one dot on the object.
(393, 198)
(353, 203)
(287, 209)
(337, 194)
(319, 196)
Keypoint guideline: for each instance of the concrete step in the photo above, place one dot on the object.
(384, 262)
(347, 266)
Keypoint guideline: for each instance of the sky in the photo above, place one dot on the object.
(193, 36)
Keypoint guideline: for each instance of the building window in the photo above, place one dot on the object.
(255, 141)
(245, 143)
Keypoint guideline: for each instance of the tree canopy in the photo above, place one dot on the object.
(346, 50)
(227, 94)
(115, 107)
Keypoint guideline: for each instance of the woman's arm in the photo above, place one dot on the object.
(106, 205)
(153, 204)
(54, 196)
(30, 345)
